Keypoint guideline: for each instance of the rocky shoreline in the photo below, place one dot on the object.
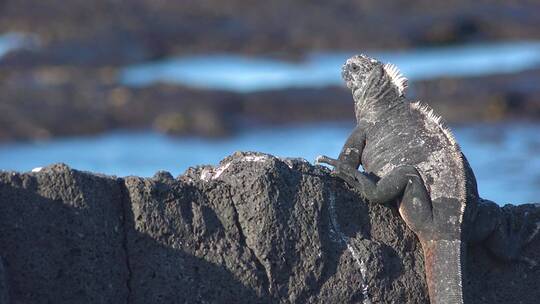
(255, 229)
(67, 83)
(41, 103)
(105, 32)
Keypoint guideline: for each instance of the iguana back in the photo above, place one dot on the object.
(410, 149)
(410, 157)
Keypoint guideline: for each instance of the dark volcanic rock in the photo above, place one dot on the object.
(186, 245)
(493, 281)
(259, 228)
(58, 101)
(483, 98)
(62, 237)
(255, 229)
(4, 288)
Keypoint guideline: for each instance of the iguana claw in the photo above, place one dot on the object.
(323, 159)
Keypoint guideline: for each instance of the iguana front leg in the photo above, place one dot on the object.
(351, 153)
(403, 184)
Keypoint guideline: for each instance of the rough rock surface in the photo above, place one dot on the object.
(61, 236)
(255, 229)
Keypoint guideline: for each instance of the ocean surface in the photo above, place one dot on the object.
(248, 74)
(12, 41)
(505, 157)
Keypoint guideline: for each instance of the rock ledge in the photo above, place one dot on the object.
(255, 229)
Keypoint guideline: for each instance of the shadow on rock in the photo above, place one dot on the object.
(61, 237)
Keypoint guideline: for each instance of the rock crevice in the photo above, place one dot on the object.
(257, 260)
(126, 213)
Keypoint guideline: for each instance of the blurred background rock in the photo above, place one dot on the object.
(64, 65)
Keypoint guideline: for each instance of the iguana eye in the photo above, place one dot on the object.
(355, 68)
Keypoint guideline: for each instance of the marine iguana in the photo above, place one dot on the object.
(411, 157)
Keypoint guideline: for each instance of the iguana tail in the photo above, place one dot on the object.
(443, 263)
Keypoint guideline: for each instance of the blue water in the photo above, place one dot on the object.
(11, 41)
(506, 158)
(247, 74)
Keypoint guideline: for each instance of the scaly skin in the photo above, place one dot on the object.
(410, 157)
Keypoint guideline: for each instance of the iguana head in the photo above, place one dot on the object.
(357, 70)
